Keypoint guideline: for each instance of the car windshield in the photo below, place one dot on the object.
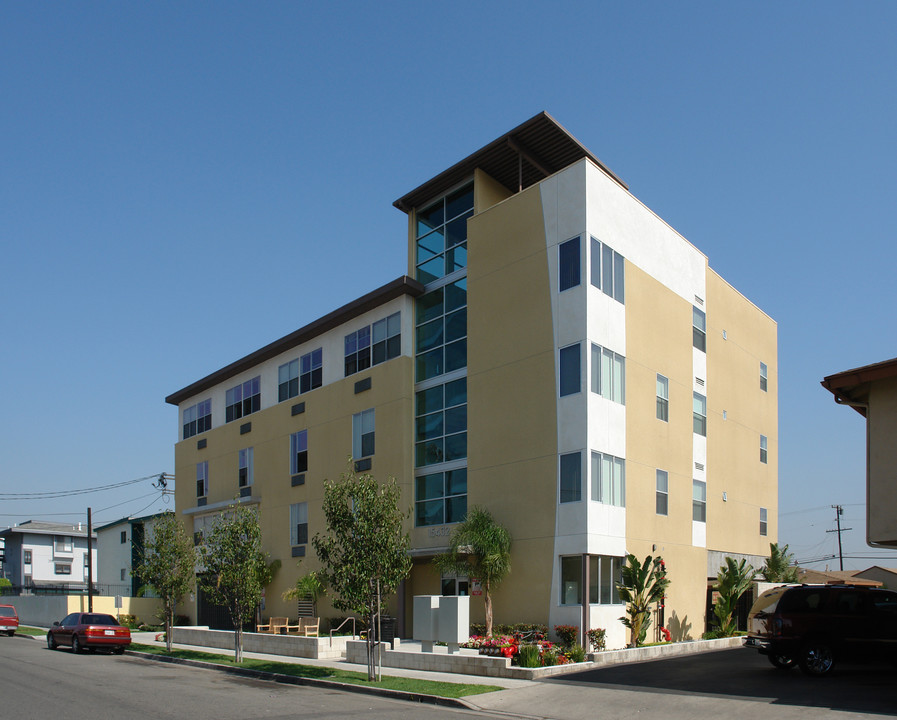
(97, 619)
(7, 612)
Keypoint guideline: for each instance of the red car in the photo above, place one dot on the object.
(91, 631)
(9, 620)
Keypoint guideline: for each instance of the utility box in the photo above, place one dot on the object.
(441, 618)
(426, 617)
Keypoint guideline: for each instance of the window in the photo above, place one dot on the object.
(244, 467)
(440, 498)
(571, 580)
(568, 264)
(442, 235)
(663, 492)
(663, 398)
(764, 375)
(359, 351)
(299, 452)
(604, 574)
(26, 559)
(243, 399)
(124, 536)
(288, 380)
(387, 338)
(763, 449)
(699, 329)
(311, 366)
(700, 414)
(62, 543)
(202, 479)
(441, 331)
(763, 524)
(363, 434)
(570, 370)
(63, 569)
(698, 501)
(608, 479)
(453, 585)
(299, 524)
(571, 477)
(607, 270)
(198, 418)
(123, 574)
(440, 424)
(608, 374)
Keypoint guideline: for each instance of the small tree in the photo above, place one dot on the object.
(236, 568)
(732, 580)
(643, 584)
(479, 548)
(308, 587)
(780, 566)
(365, 553)
(167, 564)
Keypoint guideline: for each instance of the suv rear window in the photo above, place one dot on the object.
(803, 600)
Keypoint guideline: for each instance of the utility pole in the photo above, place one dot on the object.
(839, 511)
(89, 563)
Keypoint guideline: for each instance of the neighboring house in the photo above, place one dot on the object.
(872, 391)
(120, 546)
(886, 576)
(836, 577)
(44, 554)
(556, 353)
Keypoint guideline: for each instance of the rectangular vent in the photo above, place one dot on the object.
(699, 381)
(297, 480)
(201, 444)
(699, 301)
(699, 466)
(297, 409)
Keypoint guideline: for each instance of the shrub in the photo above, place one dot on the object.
(576, 653)
(550, 657)
(567, 634)
(529, 656)
(129, 621)
(597, 638)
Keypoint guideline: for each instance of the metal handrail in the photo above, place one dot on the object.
(333, 630)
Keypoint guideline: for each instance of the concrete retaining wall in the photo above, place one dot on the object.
(289, 645)
(44, 610)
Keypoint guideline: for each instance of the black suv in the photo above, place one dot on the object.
(815, 625)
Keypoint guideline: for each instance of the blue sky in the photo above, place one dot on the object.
(180, 183)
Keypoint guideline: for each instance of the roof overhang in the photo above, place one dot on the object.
(851, 387)
(522, 157)
(398, 287)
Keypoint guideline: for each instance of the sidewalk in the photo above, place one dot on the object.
(507, 683)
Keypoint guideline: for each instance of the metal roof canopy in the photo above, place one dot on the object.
(522, 157)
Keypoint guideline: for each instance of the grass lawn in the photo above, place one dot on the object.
(413, 685)
(25, 630)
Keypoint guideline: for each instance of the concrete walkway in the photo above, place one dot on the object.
(150, 639)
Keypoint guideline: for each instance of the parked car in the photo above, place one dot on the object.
(90, 631)
(9, 620)
(815, 626)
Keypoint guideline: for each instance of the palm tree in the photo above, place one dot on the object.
(479, 548)
(732, 581)
(643, 584)
(780, 566)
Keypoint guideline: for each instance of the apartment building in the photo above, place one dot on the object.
(555, 352)
(47, 555)
(120, 547)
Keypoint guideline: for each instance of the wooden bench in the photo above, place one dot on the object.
(273, 626)
(306, 626)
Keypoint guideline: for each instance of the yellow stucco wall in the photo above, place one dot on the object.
(881, 500)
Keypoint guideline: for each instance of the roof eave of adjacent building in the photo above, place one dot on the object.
(403, 285)
(844, 385)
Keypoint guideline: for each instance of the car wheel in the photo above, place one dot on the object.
(783, 662)
(817, 659)
(10, 632)
(76, 644)
(118, 651)
(51, 642)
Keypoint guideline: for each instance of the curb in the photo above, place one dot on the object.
(313, 682)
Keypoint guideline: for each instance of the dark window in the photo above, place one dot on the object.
(299, 452)
(288, 380)
(124, 536)
(311, 375)
(568, 264)
(699, 329)
(570, 373)
(198, 418)
(243, 399)
(571, 478)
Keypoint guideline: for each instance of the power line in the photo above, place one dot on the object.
(53, 494)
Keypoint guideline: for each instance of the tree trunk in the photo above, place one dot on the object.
(169, 621)
(487, 599)
(238, 642)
